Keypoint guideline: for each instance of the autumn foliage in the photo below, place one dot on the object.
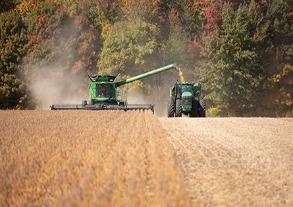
(240, 50)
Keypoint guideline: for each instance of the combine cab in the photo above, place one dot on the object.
(185, 99)
(105, 95)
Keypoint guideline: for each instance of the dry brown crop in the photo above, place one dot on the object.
(73, 158)
(235, 161)
(116, 158)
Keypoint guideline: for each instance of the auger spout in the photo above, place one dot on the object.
(147, 74)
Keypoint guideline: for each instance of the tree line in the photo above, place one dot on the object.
(241, 51)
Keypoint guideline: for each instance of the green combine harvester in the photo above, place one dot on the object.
(185, 99)
(104, 94)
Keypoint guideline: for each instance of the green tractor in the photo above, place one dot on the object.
(105, 95)
(185, 99)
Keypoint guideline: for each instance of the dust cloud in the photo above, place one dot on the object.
(50, 86)
(137, 97)
(63, 79)
(160, 91)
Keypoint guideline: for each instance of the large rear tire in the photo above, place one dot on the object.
(202, 108)
(194, 111)
(171, 107)
(178, 109)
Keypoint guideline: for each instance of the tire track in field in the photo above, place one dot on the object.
(234, 161)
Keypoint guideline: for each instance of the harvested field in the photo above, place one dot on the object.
(88, 158)
(235, 161)
(103, 158)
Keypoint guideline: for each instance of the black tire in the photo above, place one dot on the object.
(194, 111)
(84, 103)
(202, 108)
(178, 108)
(171, 107)
(122, 104)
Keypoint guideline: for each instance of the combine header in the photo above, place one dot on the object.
(104, 94)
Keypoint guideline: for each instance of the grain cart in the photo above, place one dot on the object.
(104, 93)
(185, 99)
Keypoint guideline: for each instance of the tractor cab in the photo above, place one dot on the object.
(187, 90)
(179, 90)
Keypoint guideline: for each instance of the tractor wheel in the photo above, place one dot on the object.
(178, 108)
(194, 111)
(202, 108)
(83, 103)
(171, 107)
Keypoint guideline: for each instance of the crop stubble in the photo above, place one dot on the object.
(87, 158)
(115, 158)
(235, 161)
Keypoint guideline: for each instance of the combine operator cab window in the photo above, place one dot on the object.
(103, 90)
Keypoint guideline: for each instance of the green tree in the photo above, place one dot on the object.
(233, 69)
(6, 5)
(249, 60)
(128, 48)
(12, 49)
(277, 58)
